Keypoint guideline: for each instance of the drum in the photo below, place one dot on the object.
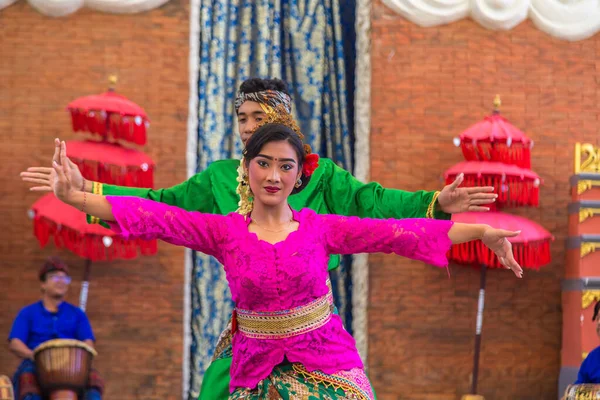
(584, 391)
(63, 367)
(6, 388)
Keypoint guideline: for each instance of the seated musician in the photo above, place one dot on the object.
(589, 372)
(50, 318)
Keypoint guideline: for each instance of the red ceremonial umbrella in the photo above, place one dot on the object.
(110, 113)
(106, 114)
(515, 186)
(112, 163)
(531, 250)
(70, 230)
(495, 139)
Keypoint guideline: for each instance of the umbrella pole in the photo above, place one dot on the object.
(83, 295)
(480, 306)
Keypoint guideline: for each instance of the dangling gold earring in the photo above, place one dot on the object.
(245, 204)
(298, 183)
(246, 183)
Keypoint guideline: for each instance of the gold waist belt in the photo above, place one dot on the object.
(285, 323)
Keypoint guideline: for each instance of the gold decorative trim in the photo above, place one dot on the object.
(497, 103)
(96, 189)
(585, 185)
(286, 323)
(586, 213)
(587, 158)
(588, 247)
(112, 81)
(431, 207)
(334, 381)
(584, 355)
(588, 297)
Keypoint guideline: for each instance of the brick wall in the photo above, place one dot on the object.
(135, 306)
(428, 86)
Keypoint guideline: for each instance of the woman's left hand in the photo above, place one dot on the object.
(61, 182)
(496, 240)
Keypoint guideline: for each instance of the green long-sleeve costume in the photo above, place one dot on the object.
(331, 190)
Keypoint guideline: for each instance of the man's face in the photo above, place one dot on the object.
(56, 284)
(249, 115)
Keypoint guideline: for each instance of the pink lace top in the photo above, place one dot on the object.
(291, 273)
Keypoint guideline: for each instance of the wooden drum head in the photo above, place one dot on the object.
(63, 364)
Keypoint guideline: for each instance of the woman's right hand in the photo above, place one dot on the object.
(61, 184)
(496, 240)
(44, 177)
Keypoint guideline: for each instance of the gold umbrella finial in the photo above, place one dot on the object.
(497, 103)
(112, 81)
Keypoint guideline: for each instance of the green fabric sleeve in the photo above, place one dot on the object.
(195, 194)
(346, 195)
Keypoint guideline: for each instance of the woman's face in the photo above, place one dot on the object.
(273, 173)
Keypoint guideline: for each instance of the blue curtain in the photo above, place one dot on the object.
(304, 43)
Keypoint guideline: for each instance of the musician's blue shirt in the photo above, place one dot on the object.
(589, 372)
(35, 325)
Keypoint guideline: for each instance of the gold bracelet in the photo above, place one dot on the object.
(98, 188)
(431, 207)
(94, 220)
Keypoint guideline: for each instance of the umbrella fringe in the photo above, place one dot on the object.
(119, 127)
(90, 246)
(111, 174)
(516, 154)
(512, 191)
(532, 255)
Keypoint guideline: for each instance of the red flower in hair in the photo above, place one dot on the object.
(310, 164)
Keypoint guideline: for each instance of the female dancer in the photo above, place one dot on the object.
(286, 343)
